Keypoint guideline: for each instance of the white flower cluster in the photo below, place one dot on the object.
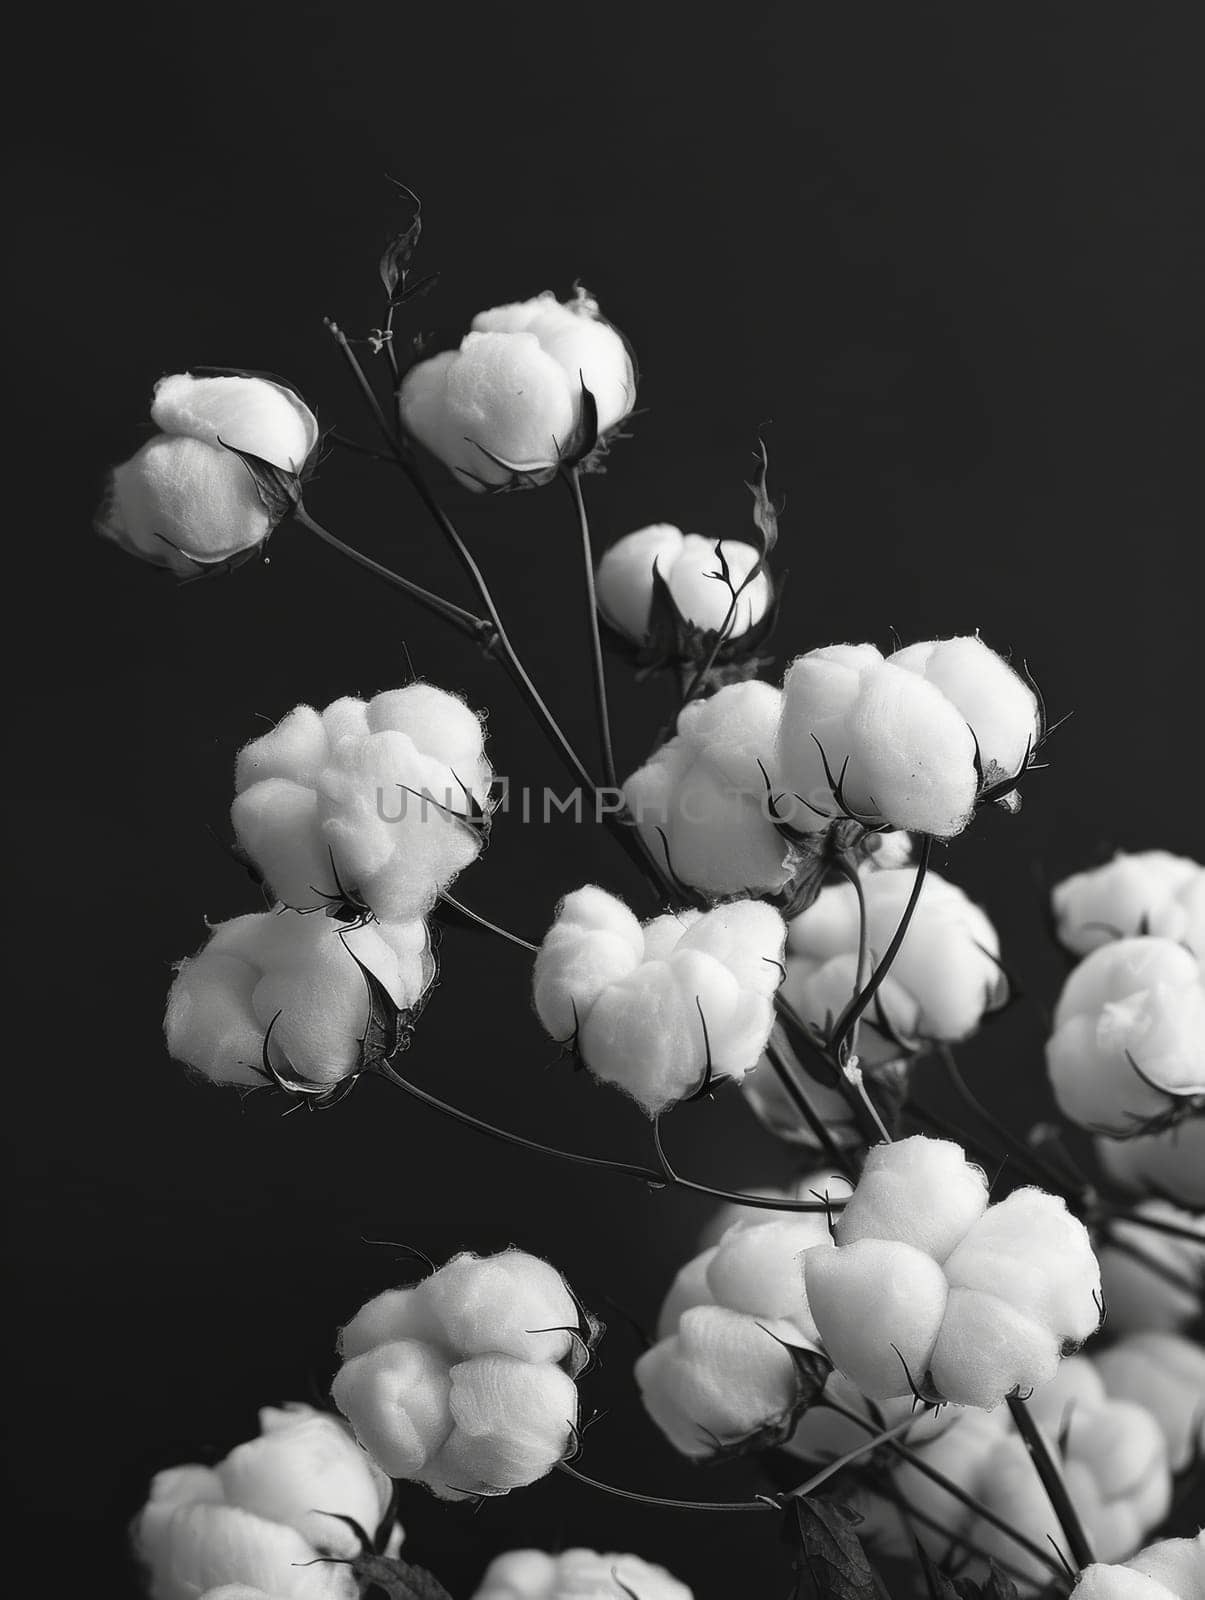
(376, 803)
(932, 1289)
(1129, 1035)
(186, 500)
(261, 1519)
(652, 1007)
(577, 1575)
(705, 579)
(506, 407)
(1152, 891)
(721, 1375)
(298, 977)
(910, 741)
(465, 1382)
(1173, 1569)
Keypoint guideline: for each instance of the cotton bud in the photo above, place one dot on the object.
(931, 1289)
(264, 1517)
(1168, 1162)
(577, 1575)
(298, 977)
(725, 1381)
(1151, 892)
(187, 500)
(506, 409)
(465, 1382)
(708, 583)
(1128, 1047)
(944, 979)
(366, 807)
(1165, 1374)
(1152, 1279)
(655, 1008)
(703, 802)
(908, 741)
(1173, 1569)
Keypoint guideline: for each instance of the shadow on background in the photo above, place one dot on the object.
(941, 256)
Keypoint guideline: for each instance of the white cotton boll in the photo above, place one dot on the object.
(706, 600)
(577, 1575)
(645, 1034)
(295, 750)
(210, 1023)
(391, 1316)
(878, 1305)
(253, 414)
(1129, 1034)
(1166, 1374)
(702, 802)
(1178, 1564)
(205, 1547)
(987, 1348)
(1104, 1581)
(184, 505)
(276, 823)
(510, 1304)
(812, 1186)
(722, 1378)
(1000, 707)
(759, 1270)
(913, 756)
(747, 937)
(624, 581)
(396, 1398)
(1151, 892)
(513, 1421)
(1151, 1279)
(594, 941)
(689, 1288)
(1170, 1162)
(920, 1191)
(304, 1466)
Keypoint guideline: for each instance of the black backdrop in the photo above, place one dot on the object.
(943, 256)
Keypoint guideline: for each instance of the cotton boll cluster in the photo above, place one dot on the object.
(653, 1008)
(944, 979)
(506, 408)
(466, 1382)
(721, 1376)
(298, 978)
(262, 1518)
(708, 583)
(186, 500)
(1114, 1463)
(577, 1575)
(372, 805)
(1169, 1162)
(702, 802)
(1152, 1279)
(1173, 1569)
(1128, 1046)
(907, 741)
(932, 1289)
(1152, 892)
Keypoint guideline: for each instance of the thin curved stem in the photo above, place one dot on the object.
(573, 478)
(484, 922)
(766, 1504)
(1028, 1160)
(782, 1071)
(1138, 1219)
(796, 1027)
(883, 1436)
(1052, 1481)
(756, 1202)
(848, 1019)
(473, 627)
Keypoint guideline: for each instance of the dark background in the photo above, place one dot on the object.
(948, 258)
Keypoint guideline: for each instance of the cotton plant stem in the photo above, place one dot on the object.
(955, 1490)
(851, 875)
(881, 1437)
(795, 1027)
(847, 1021)
(1052, 1481)
(1139, 1219)
(767, 1504)
(573, 478)
(776, 1056)
(914, 1514)
(1028, 1160)
(473, 627)
(656, 1178)
(484, 922)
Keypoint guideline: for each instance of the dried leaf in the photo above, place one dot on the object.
(831, 1562)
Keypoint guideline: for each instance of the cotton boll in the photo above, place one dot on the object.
(593, 942)
(210, 1024)
(999, 706)
(577, 1575)
(920, 1191)
(396, 1398)
(208, 1546)
(878, 1305)
(1152, 892)
(987, 1348)
(759, 1269)
(1170, 1162)
(811, 1186)
(263, 418)
(1178, 1564)
(1103, 1581)
(511, 1304)
(686, 562)
(913, 755)
(513, 1421)
(702, 800)
(689, 1288)
(625, 576)
(819, 691)
(1152, 1280)
(394, 1315)
(720, 1380)
(1165, 1374)
(1129, 1035)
